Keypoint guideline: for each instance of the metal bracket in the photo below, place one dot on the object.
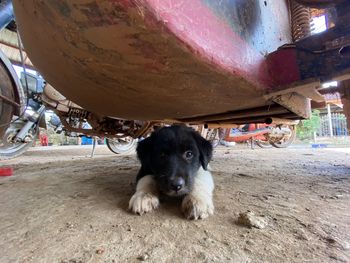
(308, 90)
(296, 103)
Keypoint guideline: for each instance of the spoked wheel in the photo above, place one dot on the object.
(263, 143)
(121, 145)
(6, 91)
(10, 149)
(289, 136)
(213, 135)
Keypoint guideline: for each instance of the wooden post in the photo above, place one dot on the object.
(345, 99)
(315, 136)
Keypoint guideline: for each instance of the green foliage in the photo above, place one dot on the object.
(306, 128)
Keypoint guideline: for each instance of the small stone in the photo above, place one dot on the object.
(331, 240)
(249, 242)
(345, 245)
(69, 225)
(208, 240)
(249, 219)
(247, 249)
(301, 235)
(143, 257)
(100, 251)
(338, 258)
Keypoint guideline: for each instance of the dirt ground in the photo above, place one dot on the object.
(62, 206)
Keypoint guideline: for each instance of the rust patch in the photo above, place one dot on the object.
(62, 7)
(99, 16)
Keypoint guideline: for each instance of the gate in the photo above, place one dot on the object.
(339, 127)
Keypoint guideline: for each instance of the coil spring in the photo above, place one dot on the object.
(78, 113)
(301, 21)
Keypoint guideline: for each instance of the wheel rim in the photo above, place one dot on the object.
(7, 90)
(263, 143)
(7, 147)
(121, 144)
(287, 139)
(213, 137)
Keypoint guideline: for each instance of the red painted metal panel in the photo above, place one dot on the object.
(245, 136)
(212, 38)
(283, 67)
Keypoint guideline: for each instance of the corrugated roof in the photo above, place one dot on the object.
(9, 45)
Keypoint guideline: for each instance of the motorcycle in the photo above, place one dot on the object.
(21, 112)
(19, 131)
(24, 100)
(280, 135)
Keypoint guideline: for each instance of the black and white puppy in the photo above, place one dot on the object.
(174, 161)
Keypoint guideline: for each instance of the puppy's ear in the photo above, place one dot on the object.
(205, 149)
(143, 151)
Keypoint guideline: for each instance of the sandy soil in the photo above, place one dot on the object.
(62, 206)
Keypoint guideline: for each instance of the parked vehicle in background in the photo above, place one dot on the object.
(19, 132)
(263, 135)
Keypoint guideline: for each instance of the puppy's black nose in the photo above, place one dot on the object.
(177, 184)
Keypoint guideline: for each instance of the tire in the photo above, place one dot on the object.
(6, 89)
(121, 145)
(12, 150)
(263, 144)
(213, 135)
(289, 141)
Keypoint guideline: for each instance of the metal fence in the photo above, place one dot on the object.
(339, 127)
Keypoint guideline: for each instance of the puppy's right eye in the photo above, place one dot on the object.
(188, 155)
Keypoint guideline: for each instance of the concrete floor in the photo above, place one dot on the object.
(62, 206)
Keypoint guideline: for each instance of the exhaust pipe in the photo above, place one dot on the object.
(278, 121)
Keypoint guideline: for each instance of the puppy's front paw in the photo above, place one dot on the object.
(197, 207)
(141, 203)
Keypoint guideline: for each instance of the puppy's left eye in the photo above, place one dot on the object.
(188, 155)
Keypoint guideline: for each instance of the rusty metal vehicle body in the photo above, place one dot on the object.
(130, 64)
(159, 60)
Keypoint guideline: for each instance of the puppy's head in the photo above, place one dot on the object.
(174, 155)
